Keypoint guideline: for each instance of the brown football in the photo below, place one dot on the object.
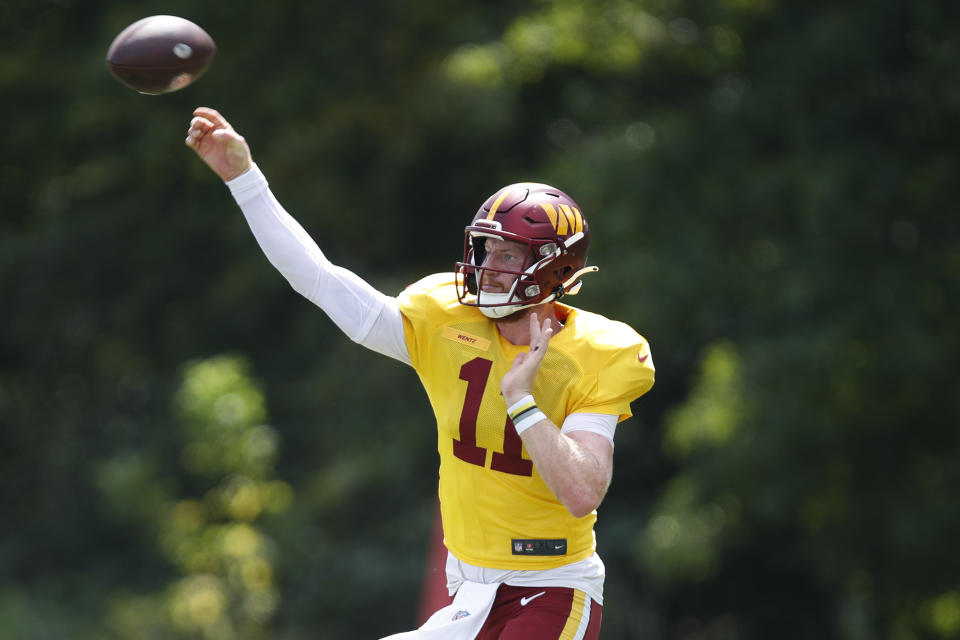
(160, 54)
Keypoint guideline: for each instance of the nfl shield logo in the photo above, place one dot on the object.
(460, 614)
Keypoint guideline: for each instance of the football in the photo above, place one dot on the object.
(160, 54)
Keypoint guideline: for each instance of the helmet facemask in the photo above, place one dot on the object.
(547, 271)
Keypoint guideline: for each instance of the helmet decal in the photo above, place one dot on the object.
(503, 196)
(568, 218)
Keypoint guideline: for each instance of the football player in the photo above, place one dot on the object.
(527, 391)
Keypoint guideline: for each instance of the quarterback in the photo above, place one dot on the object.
(527, 392)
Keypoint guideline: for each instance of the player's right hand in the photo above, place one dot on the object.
(518, 382)
(215, 141)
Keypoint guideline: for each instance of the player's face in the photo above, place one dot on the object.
(501, 255)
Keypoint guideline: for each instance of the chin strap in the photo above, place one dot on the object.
(575, 289)
(496, 313)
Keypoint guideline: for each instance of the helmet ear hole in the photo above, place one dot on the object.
(479, 249)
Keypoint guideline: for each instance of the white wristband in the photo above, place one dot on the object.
(524, 413)
(529, 420)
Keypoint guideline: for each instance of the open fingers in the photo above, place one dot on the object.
(199, 127)
(534, 328)
(540, 333)
(213, 116)
(201, 122)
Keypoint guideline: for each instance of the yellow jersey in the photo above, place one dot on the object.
(497, 511)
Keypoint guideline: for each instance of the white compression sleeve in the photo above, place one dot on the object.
(364, 314)
(598, 423)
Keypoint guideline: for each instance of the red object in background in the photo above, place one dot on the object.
(434, 590)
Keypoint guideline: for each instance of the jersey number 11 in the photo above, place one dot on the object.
(476, 373)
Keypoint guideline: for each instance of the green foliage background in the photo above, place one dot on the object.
(190, 450)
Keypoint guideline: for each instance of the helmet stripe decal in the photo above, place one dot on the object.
(557, 221)
(572, 218)
(497, 203)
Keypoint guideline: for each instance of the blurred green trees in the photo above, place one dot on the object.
(772, 192)
(212, 539)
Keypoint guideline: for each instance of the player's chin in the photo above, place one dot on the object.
(518, 315)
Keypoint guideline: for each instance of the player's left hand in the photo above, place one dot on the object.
(518, 382)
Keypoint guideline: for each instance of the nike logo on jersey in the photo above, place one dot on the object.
(525, 601)
(539, 547)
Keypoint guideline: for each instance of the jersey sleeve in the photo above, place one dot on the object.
(419, 306)
(624, 375)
